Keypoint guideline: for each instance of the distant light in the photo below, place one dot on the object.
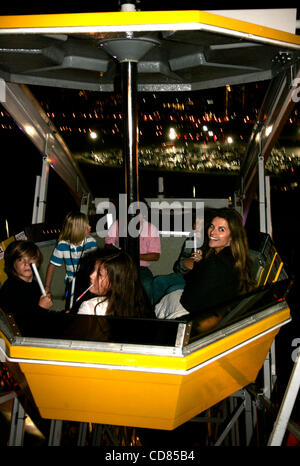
(268, 130)
(229, 140)
(172, 134)
(29, 130)
(210, 133)
(93, 135)
(205, 128)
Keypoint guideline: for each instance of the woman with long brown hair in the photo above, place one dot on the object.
(221, 276)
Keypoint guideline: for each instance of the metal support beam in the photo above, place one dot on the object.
(17, 426)
(130, 148)
(231, 423)
(264, 198)
(43, 191)
(261, 194)
(266, 227)
(277, 106)
(250, 417)
(55, 433)
(83, 427)
(287, 406)
(31, 118)
(97, 435)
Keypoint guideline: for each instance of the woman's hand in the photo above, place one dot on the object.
(195, 257)
(46, 301)
(189, 263)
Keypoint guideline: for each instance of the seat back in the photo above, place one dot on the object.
(267, 266)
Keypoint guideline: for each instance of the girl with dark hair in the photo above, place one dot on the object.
(20, 293)
(116, 283)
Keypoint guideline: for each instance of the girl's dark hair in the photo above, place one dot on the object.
(126, 295)
(17, 250)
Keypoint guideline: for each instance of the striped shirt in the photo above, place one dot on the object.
(71, 254)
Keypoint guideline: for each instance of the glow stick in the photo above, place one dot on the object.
(82, 294)
(72, 292)
(195, 242)
(37, 276)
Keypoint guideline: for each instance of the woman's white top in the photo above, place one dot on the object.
(88, 307)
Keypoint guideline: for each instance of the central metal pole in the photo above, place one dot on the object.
(130, 149)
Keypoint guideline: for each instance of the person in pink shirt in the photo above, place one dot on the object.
(150, 249)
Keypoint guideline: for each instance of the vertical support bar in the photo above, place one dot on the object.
(287, 405)
(233, 431)
(55, 433)
(85, 203)
(36, 199)
(161, 188)
(266, 227)
(43, 192)
(130, 147)
(16, 436)
(97, 435)
(235, 415)
(268, 205)
(264, 199)
(273, 364)
(2, 90)
(261, 194)
(82, 434)
(267, 376)
(249, 418)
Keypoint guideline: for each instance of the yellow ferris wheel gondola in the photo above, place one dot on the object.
(144, 373)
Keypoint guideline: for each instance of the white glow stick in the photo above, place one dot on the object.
(195, 242)
(72, 292)
(82, 294)
(37, 276)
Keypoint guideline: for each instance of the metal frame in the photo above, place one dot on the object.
(30, 117)
(40, 195)
(287, 405)
(17, 426)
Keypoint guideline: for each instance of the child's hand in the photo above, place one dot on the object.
(46, 301)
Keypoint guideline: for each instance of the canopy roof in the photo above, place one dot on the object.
(175, 50)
